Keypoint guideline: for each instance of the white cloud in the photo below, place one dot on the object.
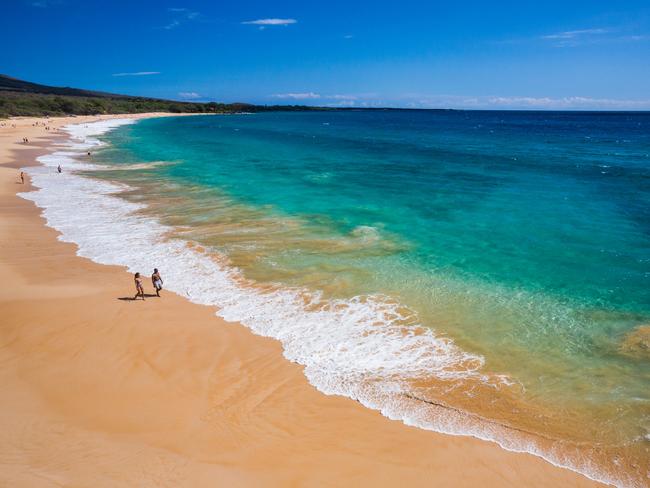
(182, 15)
(334, 100)
(581, 37)
(189, 95)
(298, 96)
(138, 73)
(487, 102)
(523, 103)
(374, 103)
(348, 36)
(575, 33)
(265, 22)
(316, 96)
(342, 104)
(571, 103)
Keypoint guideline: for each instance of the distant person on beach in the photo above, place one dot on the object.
(157, 281)
(22, 177)
(139, 290)
(59, 169)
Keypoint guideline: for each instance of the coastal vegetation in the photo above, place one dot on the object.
(23, 98)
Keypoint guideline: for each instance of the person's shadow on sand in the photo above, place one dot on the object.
(132, 299)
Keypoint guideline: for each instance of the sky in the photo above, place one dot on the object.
(555, 54)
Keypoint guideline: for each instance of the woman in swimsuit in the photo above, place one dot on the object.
(139, 291)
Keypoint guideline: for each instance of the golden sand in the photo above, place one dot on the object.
(98, 391)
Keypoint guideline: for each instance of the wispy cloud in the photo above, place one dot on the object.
(570, 103)
(355, 103)
(138, 73)
(580, 37)
(298, 96)
(262, 23)
(189, 95)
(348, 36)
(481, 102)
(182, 15)
(523, 103)
(576, 33)
(333, 100)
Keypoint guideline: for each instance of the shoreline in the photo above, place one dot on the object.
(218, 378)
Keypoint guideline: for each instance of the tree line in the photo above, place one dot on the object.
(37, 104)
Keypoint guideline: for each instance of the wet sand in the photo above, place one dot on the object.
(99, 390)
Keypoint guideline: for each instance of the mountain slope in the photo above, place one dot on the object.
(9, 83)
(24, 98)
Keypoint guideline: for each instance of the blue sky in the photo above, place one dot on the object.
(463, 54)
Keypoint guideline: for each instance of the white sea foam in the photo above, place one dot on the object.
(358, 348)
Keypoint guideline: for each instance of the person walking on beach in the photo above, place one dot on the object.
(59, 169)
(22, 178)
(139, 290)
(157, 281)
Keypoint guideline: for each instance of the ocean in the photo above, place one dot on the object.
(473, 273)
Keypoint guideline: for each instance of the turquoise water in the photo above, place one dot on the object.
(524, 237)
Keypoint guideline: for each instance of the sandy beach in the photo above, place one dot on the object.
(102, 391)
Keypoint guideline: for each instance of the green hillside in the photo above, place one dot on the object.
(23, 98)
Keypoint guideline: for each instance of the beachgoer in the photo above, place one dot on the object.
(139, 290)
(22, 177)
(157, 281)
(59, 169)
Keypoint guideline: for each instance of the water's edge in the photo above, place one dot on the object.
(279, 313)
